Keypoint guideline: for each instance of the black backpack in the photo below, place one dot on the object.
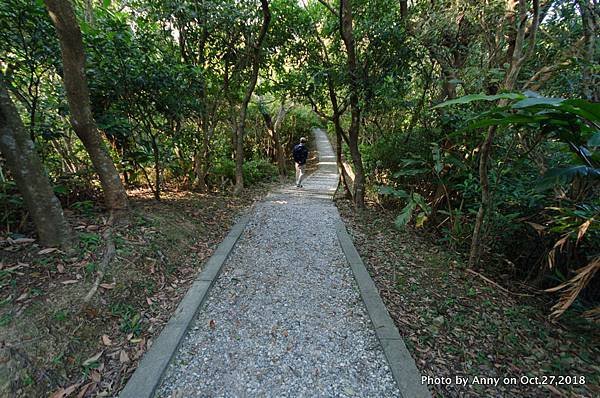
(300, 154)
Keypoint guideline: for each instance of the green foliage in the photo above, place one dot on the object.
(571, 126)
(129, 317)
(255, 171)
(480, 97)
(572, 122)
(85, 207)
(89, 240)
(166, 80)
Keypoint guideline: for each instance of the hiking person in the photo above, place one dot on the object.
(300, 153)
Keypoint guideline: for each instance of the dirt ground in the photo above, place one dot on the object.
(455, 323)
(51, 343)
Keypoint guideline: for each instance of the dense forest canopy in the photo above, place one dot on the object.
(477, 121)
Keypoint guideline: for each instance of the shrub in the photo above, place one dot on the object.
(255, 171)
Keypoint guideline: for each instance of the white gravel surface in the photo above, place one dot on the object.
(284, 318)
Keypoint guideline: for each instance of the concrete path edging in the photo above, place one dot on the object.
(147, 377)
(404, 369)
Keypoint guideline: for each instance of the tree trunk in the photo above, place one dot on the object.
(404, 9)
(281, 163)
(359, 178)
(30, 177)
(241, 125)
(156, 154)
(273, 128)
(517, 58)
(89, 12)
(202, 163)
(477, 238)
(589, 88)
(346, 31)
(76, 87)
(338, 156)
(34, 92)
(239, 158)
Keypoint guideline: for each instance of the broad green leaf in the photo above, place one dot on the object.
(588, 107)
(405, 215)
(409, 172)
(586, 112)
(387, 190)
(594, 140)
(420, 201)
(480, 97)
(531, 94)
(504, 121)
(408, 162)
(564, 175)
(527, 102)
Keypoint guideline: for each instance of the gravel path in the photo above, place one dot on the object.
(284, 318)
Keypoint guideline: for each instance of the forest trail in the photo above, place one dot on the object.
(285, 317)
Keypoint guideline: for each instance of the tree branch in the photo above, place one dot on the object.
(330, 8)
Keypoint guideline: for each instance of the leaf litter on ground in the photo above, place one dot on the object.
(159, 252)
(457, 324)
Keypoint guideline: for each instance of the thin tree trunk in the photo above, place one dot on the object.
(89, 12)
(273, 128)
(477, 238)
(241, 125)
(156, 154)
(404, 9)
(27, 170)
(239, 158)
(589, 89)
(346, 31)
(33, 109)
(281, 163)
(202, 162)
(76, 87)
(338, 156)
(517, 58)
(339, 134)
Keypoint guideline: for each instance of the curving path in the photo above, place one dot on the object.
(285, 317)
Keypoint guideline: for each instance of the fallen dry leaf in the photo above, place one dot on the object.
(108, 286)
(23, 296)
(93, 359)
(65, 392)
(69, 282)
(123, 357)
(106, 340)
(14, 267)
(60, 268)
(48, 250)
(212, 324)
(22, 240)
(84, 390)
(95, 376)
